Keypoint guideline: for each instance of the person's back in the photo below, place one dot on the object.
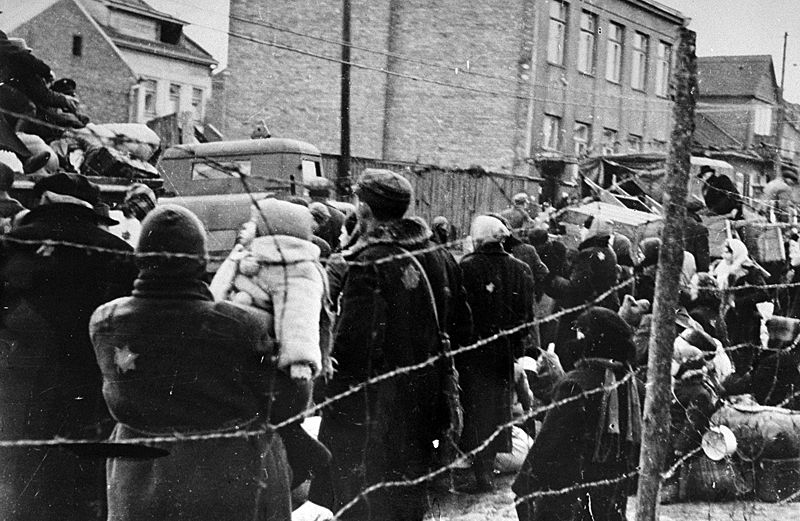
(50, 384)
(175, 361)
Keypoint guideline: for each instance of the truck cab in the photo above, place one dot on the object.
(218, 181)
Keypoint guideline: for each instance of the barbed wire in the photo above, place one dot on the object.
(484, 444)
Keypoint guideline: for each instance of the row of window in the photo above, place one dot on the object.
(587, 49)
(582, 138)
(150, 93)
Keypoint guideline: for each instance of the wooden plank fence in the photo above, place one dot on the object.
(458, 194)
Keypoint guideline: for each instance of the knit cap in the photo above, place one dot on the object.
(276, 217)
(385, 191)
(169, 229)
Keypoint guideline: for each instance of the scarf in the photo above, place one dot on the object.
(608, 432)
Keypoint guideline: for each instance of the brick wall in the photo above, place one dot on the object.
(298, 95)
(103, 79)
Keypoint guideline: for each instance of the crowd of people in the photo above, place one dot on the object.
(189, 389)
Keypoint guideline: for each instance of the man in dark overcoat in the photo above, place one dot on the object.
(387, 321)
(49, 381)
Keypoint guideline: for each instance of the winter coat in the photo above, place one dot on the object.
(776, 379)
(386, 322)
(743, 319)
(175, 361)
(705, 311)
(500, 295)
(695, 241)
(50, 384)
(567, 450)
(594, 271)
(528, 254)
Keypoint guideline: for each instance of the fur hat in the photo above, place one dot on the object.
(385, 192)
(168, 229)
(276, 217)
(632, 310)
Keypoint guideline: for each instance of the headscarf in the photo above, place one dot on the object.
(486, 228)
(740, 259)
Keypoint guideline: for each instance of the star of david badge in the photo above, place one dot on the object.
(125, 359)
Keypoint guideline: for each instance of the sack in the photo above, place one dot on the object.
(762, 431)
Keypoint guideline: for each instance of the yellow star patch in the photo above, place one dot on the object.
(125, 359)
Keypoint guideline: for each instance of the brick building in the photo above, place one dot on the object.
(131, 62)
(500, 84)
(738, 117)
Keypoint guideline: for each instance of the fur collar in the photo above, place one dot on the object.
(410, 234)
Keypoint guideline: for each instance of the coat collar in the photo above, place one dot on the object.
(406, 233)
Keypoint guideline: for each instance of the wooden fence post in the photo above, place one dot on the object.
(655, 438)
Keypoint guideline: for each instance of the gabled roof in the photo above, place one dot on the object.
(735, 75)
(143, 8)
(185, 49)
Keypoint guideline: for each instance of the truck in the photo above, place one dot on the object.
(218, 181)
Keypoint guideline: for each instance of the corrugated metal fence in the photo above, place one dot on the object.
(458, 194)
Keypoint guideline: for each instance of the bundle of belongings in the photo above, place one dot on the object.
(43, 128)
(760, 416)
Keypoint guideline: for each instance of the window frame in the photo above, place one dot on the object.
(172, 99)
(641, 65)
(558, 21)
(662, 75)
(145, 83)
(586, 142)
(618, 44)
(554, 132)
(587, 44)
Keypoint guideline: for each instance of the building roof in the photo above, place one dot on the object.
(708, 133)
(143, 8)
(734, 75)
(186, 49)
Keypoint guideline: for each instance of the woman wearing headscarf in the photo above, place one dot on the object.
(500, 293)
(737, 270)
(592, 437)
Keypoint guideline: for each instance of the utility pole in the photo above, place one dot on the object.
(655, 436)
(781, 117)
(343, 177)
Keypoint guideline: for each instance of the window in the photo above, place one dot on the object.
(762, 120)
(663, 68)
(609, 141)
(634, 143)
(616, 35)
(197, 104)
(558, 31)
(150, 98)
(175, 97)
(77, 45)
(581, 136)
(221, 169)
(586, 45)
(551, 132)
(639, 63)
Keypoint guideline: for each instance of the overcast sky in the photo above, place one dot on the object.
(724, 27)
